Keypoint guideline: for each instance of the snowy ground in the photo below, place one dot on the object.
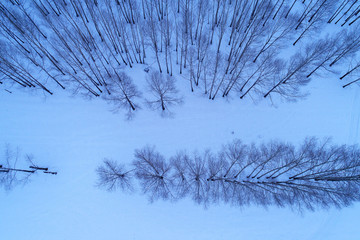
(73, 135)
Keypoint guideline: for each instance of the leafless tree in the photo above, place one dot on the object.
(163, 90)
(78, 45)
(153, 28)
(167, 34)
(123, 93)
(153, 171)
(113, 176)
(354, 68)
(354, 81)
(277, 33)
(11, 174)
(267, 71)
(295, 75)
(343, 10)
(354, 73)
(313, 17)
(317, 174)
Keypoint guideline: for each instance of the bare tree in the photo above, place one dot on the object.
(123, 93)
(11, 174)
(315, 175)
(163, 90)
(153, 171)
(354, 68)
(268, 70)
(295, 75)
(313, 17)
(354, 81)
(167, 38)
(113, 176)
(78, 46)
(153, 29)
(353, 72)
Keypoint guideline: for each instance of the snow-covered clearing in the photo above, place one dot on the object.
(73, 135)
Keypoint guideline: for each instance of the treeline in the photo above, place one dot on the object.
(223, 47)
(314, 175)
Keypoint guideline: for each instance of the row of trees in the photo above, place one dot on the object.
(11, 175)
(231, 46)
(317, 174)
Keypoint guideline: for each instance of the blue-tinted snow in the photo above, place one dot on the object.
(73, 135)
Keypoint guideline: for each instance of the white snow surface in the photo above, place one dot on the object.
(72, 135)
